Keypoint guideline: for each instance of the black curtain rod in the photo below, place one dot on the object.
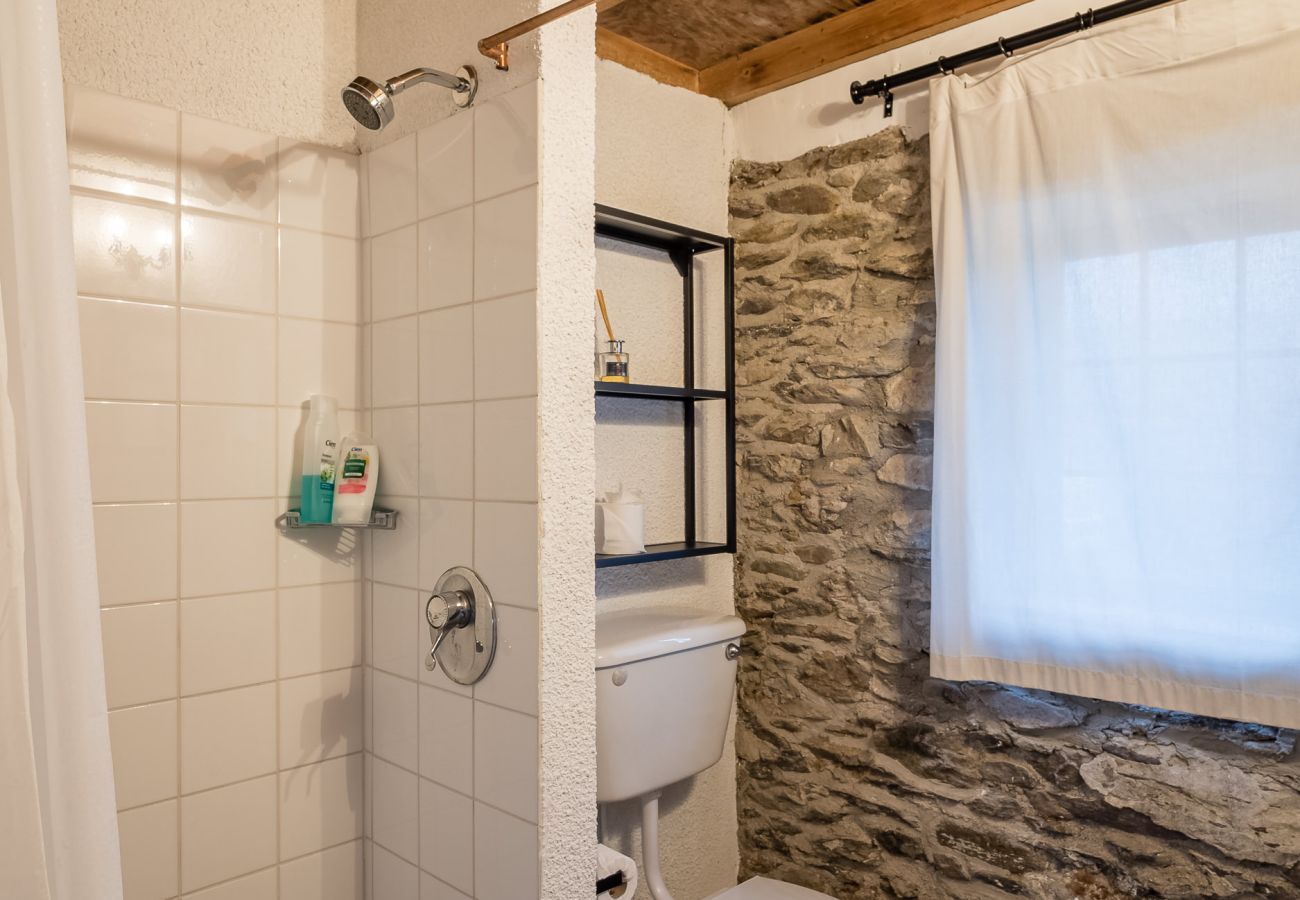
(946, 65)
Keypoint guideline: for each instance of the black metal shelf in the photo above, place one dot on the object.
(682, 246)
(657, 552)
(656, 392)
(638, 229)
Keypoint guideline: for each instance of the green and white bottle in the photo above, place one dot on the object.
(320, 453)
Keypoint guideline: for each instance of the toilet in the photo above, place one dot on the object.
(665, 680)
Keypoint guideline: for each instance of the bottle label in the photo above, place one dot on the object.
(355, 475)
(327, 459)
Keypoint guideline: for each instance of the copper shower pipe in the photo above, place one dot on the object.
(496, 47)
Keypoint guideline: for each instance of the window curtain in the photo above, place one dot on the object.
(58, 830)
(1117, 425)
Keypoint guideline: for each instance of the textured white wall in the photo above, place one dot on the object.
(277, 67)
(665, 152)
(394, 36)
(565, 283)
(818, 112)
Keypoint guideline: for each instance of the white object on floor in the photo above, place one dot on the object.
(609, 861)
(767, 889)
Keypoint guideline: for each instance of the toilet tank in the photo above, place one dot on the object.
(664, 686)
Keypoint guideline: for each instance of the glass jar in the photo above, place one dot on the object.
(612, 364)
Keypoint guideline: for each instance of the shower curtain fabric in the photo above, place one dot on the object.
(58, 827)
(1117, 424)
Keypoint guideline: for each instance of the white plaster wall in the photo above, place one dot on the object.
(665, 152)
(818, 112)
(275, 66)
(394, 36)
(565, 283)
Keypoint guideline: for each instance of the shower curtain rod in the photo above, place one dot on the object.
(496, 47)
(946, 65)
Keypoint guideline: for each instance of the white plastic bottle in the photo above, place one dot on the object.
(358, 480)
(319, 459)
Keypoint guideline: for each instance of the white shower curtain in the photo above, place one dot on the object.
(58, 827)
(1117, 424)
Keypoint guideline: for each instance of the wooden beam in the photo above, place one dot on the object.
(627, 52)
(862, 32)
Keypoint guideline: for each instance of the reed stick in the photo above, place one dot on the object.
(604, 313)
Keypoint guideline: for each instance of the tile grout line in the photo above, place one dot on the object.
(180, 356)
(419, 531)
(275, 625)
(474, 473)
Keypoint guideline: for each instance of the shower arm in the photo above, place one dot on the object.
(427, 76)
(496, 47)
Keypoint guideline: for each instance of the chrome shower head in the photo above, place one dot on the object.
(371, 104)
(368, 103)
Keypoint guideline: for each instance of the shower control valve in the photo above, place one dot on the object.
(462, 626)
(446, 611)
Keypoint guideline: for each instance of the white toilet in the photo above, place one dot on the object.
(665, 679)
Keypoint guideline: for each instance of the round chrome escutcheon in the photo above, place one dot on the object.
(466, 652)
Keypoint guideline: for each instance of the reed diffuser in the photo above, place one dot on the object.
(612, 364)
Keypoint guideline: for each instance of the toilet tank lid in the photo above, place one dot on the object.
(630, 635)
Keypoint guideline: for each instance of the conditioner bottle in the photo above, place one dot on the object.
(358, 480)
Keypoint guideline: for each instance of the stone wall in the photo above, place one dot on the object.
(859, 775)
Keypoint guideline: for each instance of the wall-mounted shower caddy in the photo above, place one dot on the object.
(380, 518)
(682, 245)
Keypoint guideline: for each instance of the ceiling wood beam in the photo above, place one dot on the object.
(627, 52)
(865, 31)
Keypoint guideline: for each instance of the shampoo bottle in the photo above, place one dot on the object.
(319, 459)
(358, 480)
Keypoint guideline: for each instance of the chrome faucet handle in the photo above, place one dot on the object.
(446, 611)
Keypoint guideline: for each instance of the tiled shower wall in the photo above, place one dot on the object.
(218, 273)
(451, 251)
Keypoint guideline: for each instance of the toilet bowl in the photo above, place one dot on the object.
(665, 682)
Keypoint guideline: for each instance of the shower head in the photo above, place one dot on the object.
(371, 104)
(368, 103)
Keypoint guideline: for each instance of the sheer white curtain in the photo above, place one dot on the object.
(1117, 426)
(58, 830)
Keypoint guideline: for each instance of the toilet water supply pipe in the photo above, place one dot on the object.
(654, 877)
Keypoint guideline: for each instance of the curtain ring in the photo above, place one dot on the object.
(1002, 45)
(942, 68)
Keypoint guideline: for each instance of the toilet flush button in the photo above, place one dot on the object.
(619, 678)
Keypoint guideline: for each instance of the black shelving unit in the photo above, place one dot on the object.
(682, 245)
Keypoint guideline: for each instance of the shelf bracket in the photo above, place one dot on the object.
(681, 258)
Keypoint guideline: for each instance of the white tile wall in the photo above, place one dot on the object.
(219, 271)
(453, 383)
(228, 169)
(228, 263)
(133, 355)
(135, 545)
